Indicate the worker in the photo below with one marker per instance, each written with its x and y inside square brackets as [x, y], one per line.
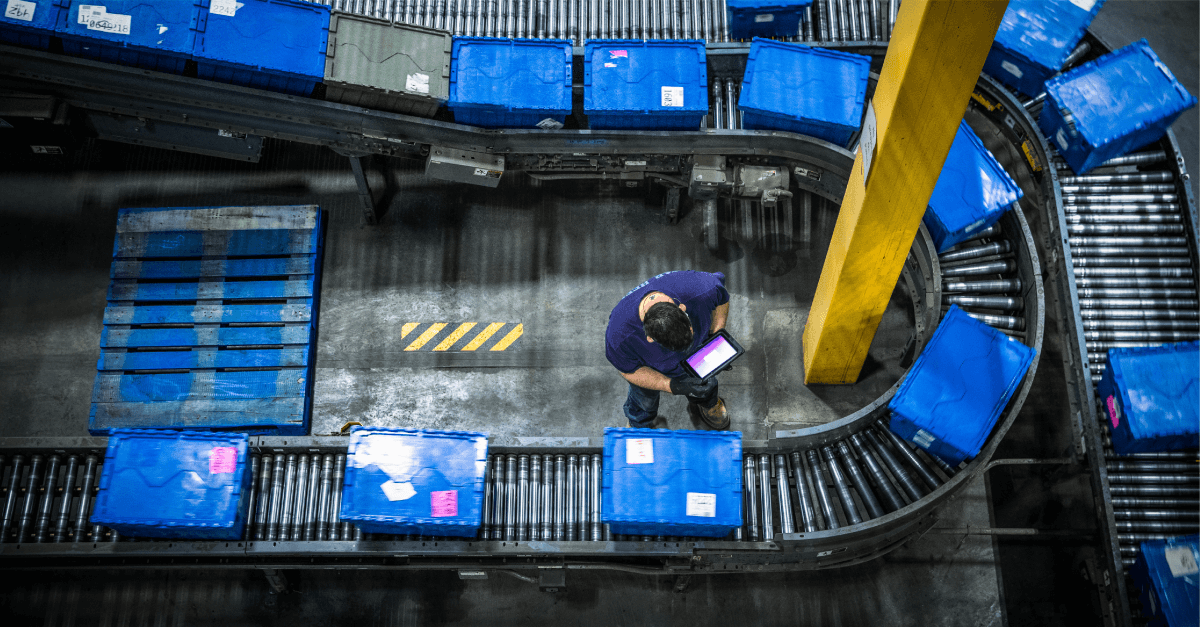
[653, 328]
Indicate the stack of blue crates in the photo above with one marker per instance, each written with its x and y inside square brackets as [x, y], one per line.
[30, 22]
[674, 483]
[956, 389]
[1113, 105]
[1167, 580]
[405, 481]
[639, 84]
[170, 484]
[270, 44]
[813, 91]
[972, 192]
[765, 18]
[152, 35]
[1034, 40]
[1152, 397]
[510, 83]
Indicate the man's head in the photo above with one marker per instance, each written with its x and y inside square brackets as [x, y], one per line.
[668, 324]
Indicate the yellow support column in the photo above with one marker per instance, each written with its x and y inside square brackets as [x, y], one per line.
[933, 62]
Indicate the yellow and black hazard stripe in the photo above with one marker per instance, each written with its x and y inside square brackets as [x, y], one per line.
[459, 338]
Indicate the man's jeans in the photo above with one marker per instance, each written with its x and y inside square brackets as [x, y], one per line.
[641, 407]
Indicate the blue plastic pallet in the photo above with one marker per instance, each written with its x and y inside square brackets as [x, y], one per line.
[645, 84]
[812, 91]
[406, 481]
[675, 483]
[278, 45]
[1151, 396]
[152, 35]
[170, 484]
[971, 193]
[1111, 106]
[955, 390]
[197, 296]
[1034, 40]
[30, 22]
[510, 83]
[764, 18]
[1167, 580]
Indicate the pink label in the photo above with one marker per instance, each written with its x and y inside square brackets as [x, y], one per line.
[617, 54]
[223, 460]
[1114, 414]
[444, 503]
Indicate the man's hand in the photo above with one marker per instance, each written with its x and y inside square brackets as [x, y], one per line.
[691, 386]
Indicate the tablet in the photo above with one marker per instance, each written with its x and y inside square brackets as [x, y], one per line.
[713, 356]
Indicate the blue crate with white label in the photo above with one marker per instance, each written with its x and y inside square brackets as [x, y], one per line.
[955, 390]
[1166, 577]
[1034, 40]
[1151, 395]
[172, 484]
[1111, 106]
[510, 83]
[152, 35]
[674, 483]
[278, 45]
[769, 18]
[30, 22]
[640, 84]
[972, 192]
[406, 481]
[812, 91]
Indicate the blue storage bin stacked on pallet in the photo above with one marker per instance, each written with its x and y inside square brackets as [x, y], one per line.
[198, 295]
[645, 84]
[1113, 105]
[152, 35]
[30, 22]
[764, 18]
[812, 91]
[404, 481]
[1152, 397]
[1034, 40]
[170, 484]
[971, 193]
[510, 83]
[1166, 576]
[270, 44]
[673, 483]
[957, 387]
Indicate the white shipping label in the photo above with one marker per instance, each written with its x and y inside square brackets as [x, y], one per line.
[923, 438]
[549, 124]
[764, 17]
[672, 96]
[1181, 561]
[88, 11]
[397, 490]
[639, 451]
[1061, 138]
[228, 8]
[1012, 69]
[20, 10]
[112, 23]
[700, 504]
[1086, 5]
[417, 82]
[868, 139]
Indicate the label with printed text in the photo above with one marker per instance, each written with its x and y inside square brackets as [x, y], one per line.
[222, 460]
[20, 10]
[444, 503]
[639, 451]
[672, 96]
[701, 504]
[417, 82]
[1181, 561]
[228, 8]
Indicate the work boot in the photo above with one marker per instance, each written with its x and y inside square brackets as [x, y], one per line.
[715, 418]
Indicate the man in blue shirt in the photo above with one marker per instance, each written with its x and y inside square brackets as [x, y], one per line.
[653, 328]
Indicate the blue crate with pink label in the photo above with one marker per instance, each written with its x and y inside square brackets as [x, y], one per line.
[1151, 397]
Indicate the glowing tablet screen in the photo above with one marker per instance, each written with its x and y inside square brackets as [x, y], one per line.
[712, 356]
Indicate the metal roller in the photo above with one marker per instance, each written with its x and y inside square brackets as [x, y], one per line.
[923, 471]
[310, 507]
[1150, 188]
[988, 233]
[584, 504]
[874, 509]
[718, 104]
[1147, 478]
[522, 500]
[1134, 292]
[288, 506]
[1123, 229]
[1129, 241]
[300, 504]
[68, 494]
[572, 495]
[962, 254]
[1157, 514]
[1134, 502]
[560, 496]
[510, 497]
[803, 496]
[1014, 323]
[767, 522]
[1144, 219]
[1138, 303]
[1140, 208]
[749, 474]
[1143, 324]
[85, 498]
[822, 20]
[252, 512]
[46, 507]
[1108, 179]
[535, 497]
[842, 486]
[325, 491]
[1174, 527]
[1150, 272]
[814, 464]
[843, 20]
[1119, 199]
[1158, 337]
[10, 496]
[548, 482]
[876, 474]
[976, 269]
[731, 113]
[1002, 286]
[335, 505]
[490, 530]
[893, 465]
[1005, 303]
[1138, 538]
[597, 481]
[1152, 466]
[786, 524]
[276, 505]
[1146, 282]
[1076, 54]
[851, 16]
[32, 484]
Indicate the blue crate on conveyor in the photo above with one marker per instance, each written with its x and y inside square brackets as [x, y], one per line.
[1152, 397]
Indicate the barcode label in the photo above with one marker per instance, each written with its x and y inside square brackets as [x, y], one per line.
[20, 10]
[923, 438]
[1181, 561]
[672, 96]
[1012, 69]
[417, 82]
[764, 17]
[700, 504]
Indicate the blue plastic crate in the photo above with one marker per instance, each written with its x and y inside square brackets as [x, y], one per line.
[407, 481]
[151, 35]
[972, 192]
[772, 18]
[1034, 40]
[1113, 105]
[277, 45]
[171, 484]
[676, 483]
[812, 91]
[640, 84]
[510, 83]
[1167, 582]
[30, 22]
[957, 387]
[1151, 395]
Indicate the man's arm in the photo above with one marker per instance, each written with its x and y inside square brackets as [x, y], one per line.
[718, 317]
[649, 378]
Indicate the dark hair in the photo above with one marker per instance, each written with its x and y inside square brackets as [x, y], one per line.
[668, 325]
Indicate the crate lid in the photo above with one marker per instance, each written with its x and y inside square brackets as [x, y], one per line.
[1119, 93]
[767, 5]
[394, 57]
[516, 74]
[165, 478]
[288, 36]
[972, 184]
[1172, 567]
[1045, 32]
[804, 83]
[634, 75]
[1159, 387]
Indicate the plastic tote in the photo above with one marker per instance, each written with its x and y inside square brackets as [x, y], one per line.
[1151, 396]
[772, 18]
[1167, 581]
[510, 83]
[152, 35]
[1034, 40]
[30, 22]
[639, 84]
[269, 44]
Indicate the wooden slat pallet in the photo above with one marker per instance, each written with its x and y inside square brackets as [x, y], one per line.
[211, 320]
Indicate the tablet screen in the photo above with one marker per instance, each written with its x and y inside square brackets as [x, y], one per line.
[712, 356]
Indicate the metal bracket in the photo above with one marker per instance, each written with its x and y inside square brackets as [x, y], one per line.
[374, 202]
[552, 579]
[276, 579]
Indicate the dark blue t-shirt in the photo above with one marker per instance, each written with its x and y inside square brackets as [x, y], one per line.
[625, 342]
